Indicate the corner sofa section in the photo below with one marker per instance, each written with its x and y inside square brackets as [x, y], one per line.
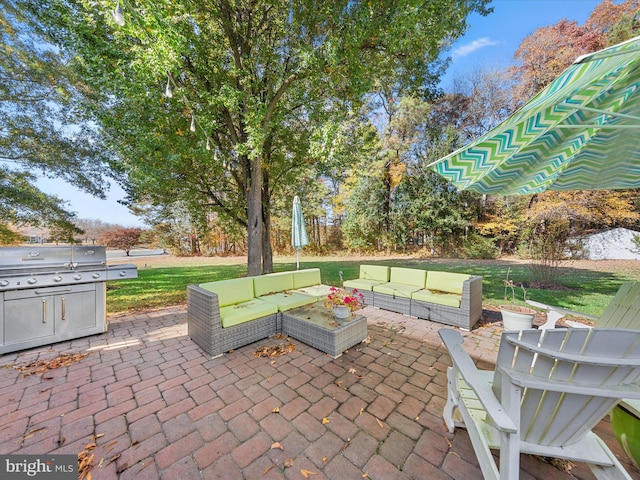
[229, 314]
[369, 277]
[443, 297]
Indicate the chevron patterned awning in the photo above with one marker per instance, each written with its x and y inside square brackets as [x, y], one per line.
[582, 132]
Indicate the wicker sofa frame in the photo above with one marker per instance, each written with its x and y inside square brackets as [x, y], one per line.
[205, 322]
[464, 317]
[205, 326]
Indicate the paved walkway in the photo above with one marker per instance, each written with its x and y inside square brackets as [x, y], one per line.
[147, 403]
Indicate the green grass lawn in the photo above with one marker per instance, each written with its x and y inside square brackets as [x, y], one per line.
[583, 289]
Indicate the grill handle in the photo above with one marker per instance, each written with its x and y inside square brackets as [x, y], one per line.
[63, 308]
[44, 311]
[49, 292]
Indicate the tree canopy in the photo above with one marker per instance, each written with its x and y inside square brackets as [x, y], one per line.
[215, 103]
[42, 130]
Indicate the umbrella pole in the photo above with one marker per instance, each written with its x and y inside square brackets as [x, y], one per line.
[297, 259]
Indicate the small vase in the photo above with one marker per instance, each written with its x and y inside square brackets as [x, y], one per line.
[340, 311]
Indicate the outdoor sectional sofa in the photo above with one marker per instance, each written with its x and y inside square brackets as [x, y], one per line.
[229, 314]
[443, 297]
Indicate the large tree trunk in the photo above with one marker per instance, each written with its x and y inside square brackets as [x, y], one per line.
[267, 252]
[254, 217]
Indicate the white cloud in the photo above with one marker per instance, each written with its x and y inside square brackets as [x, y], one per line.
[469, 48]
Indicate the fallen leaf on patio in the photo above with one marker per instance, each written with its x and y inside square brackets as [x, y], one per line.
[275, 410]
[275, 350]
[306, 473]
[61, 441]
[417, 418]
[365, 474]
[352, 370]
[325, 420]
[266, 470]
[380, 423]
[288, 462]
[31, 433]
[277, 445]
[41, 366]
[361, 410]
[324, 459]
[345, 445]
[109, 446]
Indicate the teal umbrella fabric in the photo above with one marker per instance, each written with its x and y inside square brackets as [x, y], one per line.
[299, 237]
[582, 132]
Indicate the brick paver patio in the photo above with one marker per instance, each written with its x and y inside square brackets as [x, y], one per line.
[156, 407]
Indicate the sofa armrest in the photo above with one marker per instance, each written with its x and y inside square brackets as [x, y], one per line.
[203, 306]
[472, 297]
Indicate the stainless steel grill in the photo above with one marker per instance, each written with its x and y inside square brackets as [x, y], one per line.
[50, 294]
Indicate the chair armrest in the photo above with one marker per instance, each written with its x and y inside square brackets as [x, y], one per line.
[556, 313]
[611, 391]
[462, 362]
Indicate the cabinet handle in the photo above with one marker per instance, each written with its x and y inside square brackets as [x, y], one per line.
[44, 311]
[63, 309]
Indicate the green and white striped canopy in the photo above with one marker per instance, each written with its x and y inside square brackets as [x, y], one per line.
[582, 132]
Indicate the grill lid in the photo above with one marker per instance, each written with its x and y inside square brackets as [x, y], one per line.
[38, 258]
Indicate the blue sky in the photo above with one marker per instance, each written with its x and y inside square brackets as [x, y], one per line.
[490, 41]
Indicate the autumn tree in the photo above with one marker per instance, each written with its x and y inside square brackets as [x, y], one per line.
[121, 238]
[615, 22]
[547, 52]
[245, 83]
[479, 101]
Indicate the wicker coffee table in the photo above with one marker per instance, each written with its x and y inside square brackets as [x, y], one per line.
[316, 326]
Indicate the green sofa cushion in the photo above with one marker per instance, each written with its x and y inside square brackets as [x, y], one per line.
[446, 281]
[408, 276]
[230, 292]
[245, 312]
[396, 289]
[320, 292]
[374, 272]
[288, 300]
[439, 298]
[362, 284]
[272, 283]
[306, 278]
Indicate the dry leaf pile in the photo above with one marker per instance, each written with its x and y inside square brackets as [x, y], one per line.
[41, 366]
[276, 350]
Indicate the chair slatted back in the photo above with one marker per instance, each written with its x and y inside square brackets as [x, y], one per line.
[566, 375]
[624, 309]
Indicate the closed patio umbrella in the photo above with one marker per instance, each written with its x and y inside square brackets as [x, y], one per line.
[299, 237]
[582, 132]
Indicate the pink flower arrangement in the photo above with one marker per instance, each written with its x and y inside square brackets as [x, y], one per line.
[339, 296]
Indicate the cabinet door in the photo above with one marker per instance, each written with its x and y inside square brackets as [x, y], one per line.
[28, 318]
[75, 311]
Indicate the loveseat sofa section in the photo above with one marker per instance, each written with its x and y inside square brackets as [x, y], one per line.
[444, 297]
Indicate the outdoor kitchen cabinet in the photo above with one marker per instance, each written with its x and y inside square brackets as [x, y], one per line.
[40, 316]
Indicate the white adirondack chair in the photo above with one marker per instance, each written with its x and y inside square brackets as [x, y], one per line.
[549, 389]
[622, 312]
